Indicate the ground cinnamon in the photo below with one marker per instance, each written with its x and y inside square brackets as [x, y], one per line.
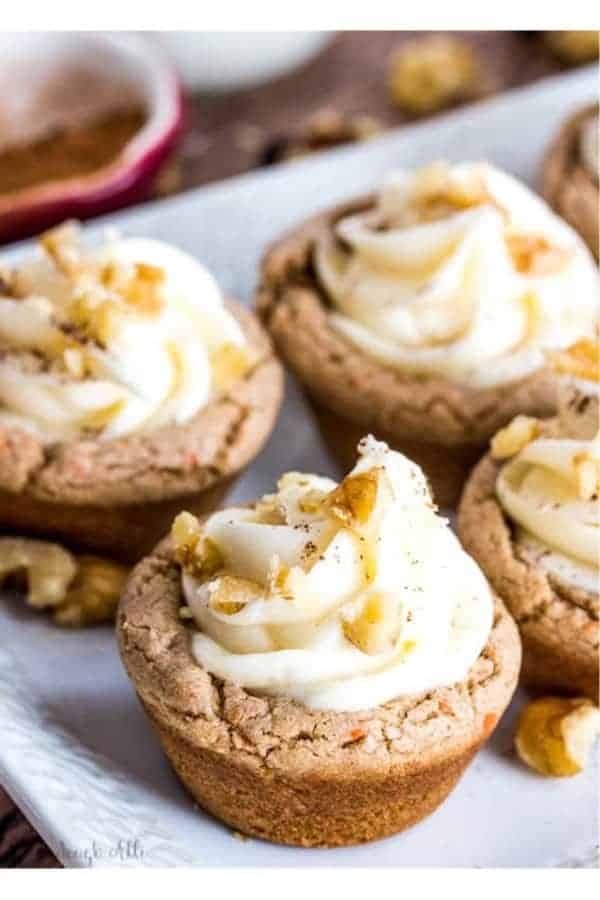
[71, 152]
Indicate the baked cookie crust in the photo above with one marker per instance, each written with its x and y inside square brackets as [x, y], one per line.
[427, 418]
[274, 769]
[120, 496]
[558, 624]
[566, 183]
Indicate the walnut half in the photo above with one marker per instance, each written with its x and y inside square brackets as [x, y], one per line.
[79, 591]
[514, 437]
[555, 734]
[429, 73]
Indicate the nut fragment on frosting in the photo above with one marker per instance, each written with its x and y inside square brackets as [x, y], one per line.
[78, 591]
[106, 342]
[555, 735]
[551, 490]
[458, 271]
[578, 370]
[339, 596]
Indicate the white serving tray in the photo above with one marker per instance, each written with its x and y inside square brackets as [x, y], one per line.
[76, 752]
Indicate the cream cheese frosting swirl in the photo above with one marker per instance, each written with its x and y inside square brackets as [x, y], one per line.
[341, 596]
[458, 271]
[124, 338]
[551, 490]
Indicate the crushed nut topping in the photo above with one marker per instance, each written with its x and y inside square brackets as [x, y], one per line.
[555, 734]
[353, 501]
[587, 472]
[437, 193]
[429, 73]
[195, 553]
[229, 594]
[581, 360]
[536, 256]
[376, 627]
[515, 437]
[79, 591]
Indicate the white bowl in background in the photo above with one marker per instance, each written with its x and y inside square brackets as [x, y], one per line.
[226, 60]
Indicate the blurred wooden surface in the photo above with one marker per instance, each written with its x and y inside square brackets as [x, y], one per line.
[234, 133]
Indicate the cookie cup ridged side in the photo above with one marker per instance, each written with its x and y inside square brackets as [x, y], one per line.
[558, 624]
[274, 769]
[566, 184]
[443, 426]
[119, 497]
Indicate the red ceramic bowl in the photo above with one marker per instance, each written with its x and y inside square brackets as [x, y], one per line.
[128, 60]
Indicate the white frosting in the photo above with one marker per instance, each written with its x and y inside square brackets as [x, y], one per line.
[437, 280]
[540, 490]
[155, 368]
[336, 613]
[590, 155]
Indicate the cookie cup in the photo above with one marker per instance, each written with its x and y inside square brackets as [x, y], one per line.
[443, 426]
[558, 624]
[119, 497]
[275, 769]
[566, 183]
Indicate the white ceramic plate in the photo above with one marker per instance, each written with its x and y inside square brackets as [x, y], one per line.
[76, 752]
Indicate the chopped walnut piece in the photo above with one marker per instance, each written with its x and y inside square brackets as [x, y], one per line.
[581, 360]
[511, 440]
[98, 320]
[353, 501]
[48, 569]
[74, 362]
[376, 627]
[79, 591]
[429, 73]
[587, 471]
[555, 734]
[573, 46]
[277, 580]
[312, 501]
[268, 512]
[436, 193]
[94, 593]
[63, 247]
[535, 255]
[195, 553]
[231, 593]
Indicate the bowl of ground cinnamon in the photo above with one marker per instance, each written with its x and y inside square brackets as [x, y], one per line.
[86, 121]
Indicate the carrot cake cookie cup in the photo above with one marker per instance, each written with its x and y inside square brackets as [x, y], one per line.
[530, 516]
[321, 666]
[570, 174]
[421, 313]
[128, 389]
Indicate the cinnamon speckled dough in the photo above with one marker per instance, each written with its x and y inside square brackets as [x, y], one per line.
[568, 186]
[272, 768]
[120, 496]
[558, 625]
[442, 425]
